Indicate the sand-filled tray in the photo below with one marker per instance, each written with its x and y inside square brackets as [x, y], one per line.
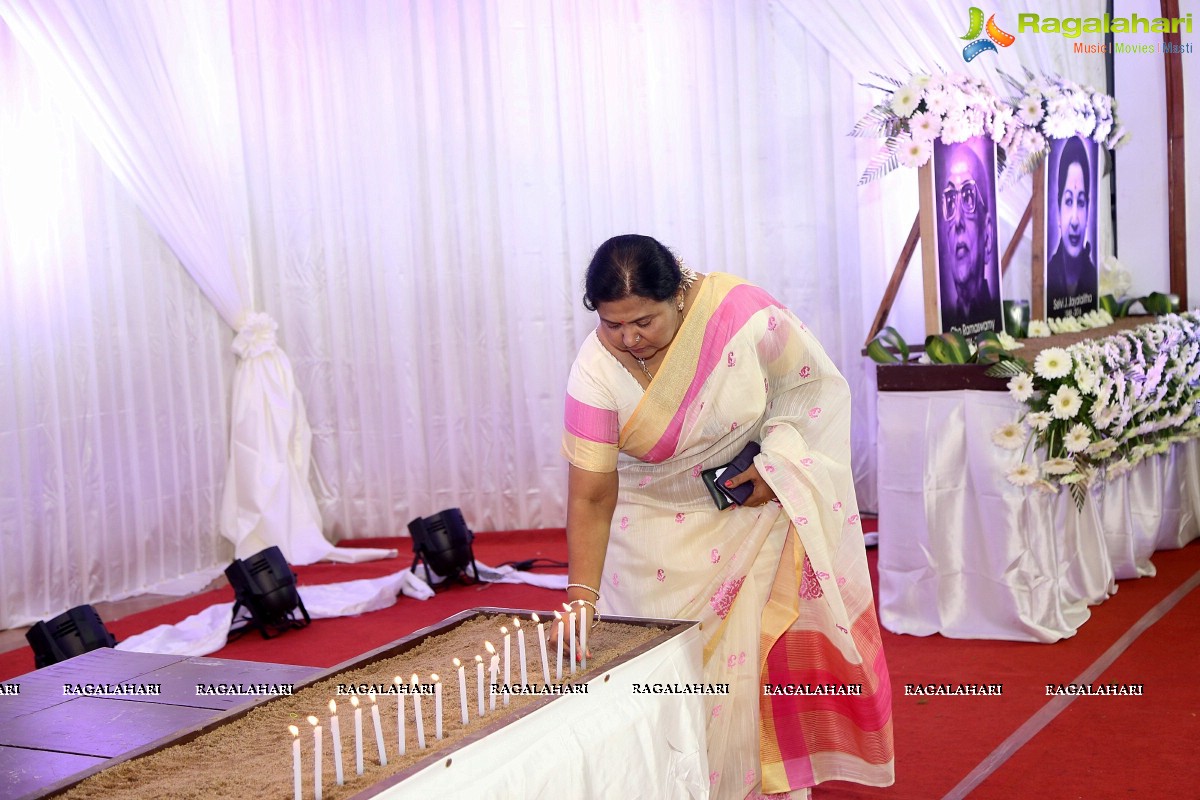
[248, 752]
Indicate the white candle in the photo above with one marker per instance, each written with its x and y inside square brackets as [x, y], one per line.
[507, 661]
[357, 734]
[542, 646]
[558, 668]
[295, 760]
[493, 667]
[571, 633]
[479, 682]
[317, 777]
[583, 631]
[417, 712]
[521, 650]
[378, 730]
[462, 690]
[437, 705]
[400, 734]
[336, 732]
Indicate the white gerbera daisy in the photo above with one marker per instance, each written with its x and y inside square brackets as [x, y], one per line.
[1086, 380]
[1030, 110]
[1038, 329]
[1022, 475]
[1008, 436]
[1008, 342]
[1052, 363]
[1065, 403]
[905, 101]
[1038, 420]
[925, 126]
[1058, 466]
[1078, 438]
[1021, 387]
[913, 152]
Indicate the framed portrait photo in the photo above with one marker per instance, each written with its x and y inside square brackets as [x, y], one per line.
[1071, 278]
[968, 261]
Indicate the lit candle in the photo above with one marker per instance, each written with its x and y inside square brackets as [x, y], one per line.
[493, 667]
[571, 633]
[295, 759]
[416, 685]
[507, 661]
[357, 734]
[542, 645]
[378, 730]
[462, 690]
[479, 682]
[400, 733]
[437, 705]
[521, 650]
[336, 731]
[317, 777]
[558, 668]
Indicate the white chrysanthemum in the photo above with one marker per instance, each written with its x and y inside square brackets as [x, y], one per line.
[1052, 363]
[1022, 475]
[1038, 420]
[1065, 403]
[905, 101]
[913, 152]
[1103, 416]
[1078, 438]
[925, 126]
[937, 100]
[1038, 329]
[1058, 466]
[1118, 468]
[955, 128]
[1102, 449]
[1008, 436]
[1021, 387]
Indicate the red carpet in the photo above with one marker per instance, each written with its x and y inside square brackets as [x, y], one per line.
[1099, 747]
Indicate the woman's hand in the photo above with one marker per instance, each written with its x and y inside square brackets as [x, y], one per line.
[583, 616]
[762, 493]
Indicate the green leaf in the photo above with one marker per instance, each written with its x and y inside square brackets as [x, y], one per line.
[882, 162]
[1006, 368]
[1109, 303]
[1079, 494]
[948, 348]
[1157, 303]
[879, 352]
[989, 351]
[892, 337]
[1126, 304]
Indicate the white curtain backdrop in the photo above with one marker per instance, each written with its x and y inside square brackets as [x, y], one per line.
[114, 376]
[412, 189]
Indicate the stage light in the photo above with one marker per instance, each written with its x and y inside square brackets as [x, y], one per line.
[265, 587]
[442, 543]
[70, 634]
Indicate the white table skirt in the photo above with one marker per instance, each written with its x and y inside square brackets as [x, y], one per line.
[609, 742]
[964, 553]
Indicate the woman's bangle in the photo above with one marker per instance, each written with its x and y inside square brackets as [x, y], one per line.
[584, 586]
[591, 605]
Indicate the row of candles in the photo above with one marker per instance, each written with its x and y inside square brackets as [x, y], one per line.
[566, 618]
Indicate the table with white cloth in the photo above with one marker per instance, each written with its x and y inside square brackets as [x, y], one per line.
[964, 553]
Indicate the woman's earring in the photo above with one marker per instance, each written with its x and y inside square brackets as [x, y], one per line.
[679, 305]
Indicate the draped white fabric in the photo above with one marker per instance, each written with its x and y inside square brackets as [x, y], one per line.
[966, 554]
[114, 376]
[412, 190]
[152, 87]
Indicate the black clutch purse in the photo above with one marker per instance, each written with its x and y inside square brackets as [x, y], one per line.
[714, 478]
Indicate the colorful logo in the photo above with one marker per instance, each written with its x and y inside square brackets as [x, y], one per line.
[979, 45]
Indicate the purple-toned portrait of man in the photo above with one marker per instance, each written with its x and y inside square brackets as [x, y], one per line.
[1072, 282]
[964, 176]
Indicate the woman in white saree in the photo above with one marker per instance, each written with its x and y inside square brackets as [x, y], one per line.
[681, 373]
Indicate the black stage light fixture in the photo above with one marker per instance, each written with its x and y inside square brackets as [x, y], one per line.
[70, 634]
[442, 543]
[265, 587]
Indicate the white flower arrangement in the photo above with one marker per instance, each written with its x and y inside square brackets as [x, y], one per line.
[1097, 318]
[952, 107]
[1097, 408]
[1052, 107]
[1114, 278]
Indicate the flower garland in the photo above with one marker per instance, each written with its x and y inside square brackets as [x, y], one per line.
[1097, 318]
[1052, 107]
[1099, 407]
[952, 107]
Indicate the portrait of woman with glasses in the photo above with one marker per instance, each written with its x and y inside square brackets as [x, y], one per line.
[1072, 282]
[968, 270]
